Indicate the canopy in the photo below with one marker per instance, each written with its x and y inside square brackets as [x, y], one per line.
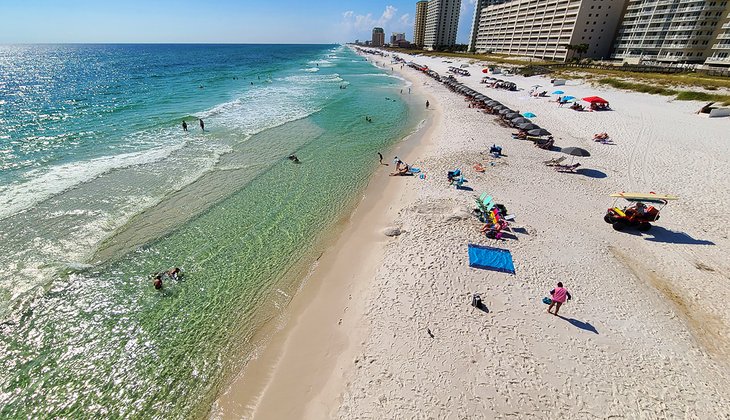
[529, 115]
[575, 151]
[657, 198]
[595, 100]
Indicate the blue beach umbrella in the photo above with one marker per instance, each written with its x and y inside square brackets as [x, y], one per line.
[568, 98]
[529, 115]
[558, 92]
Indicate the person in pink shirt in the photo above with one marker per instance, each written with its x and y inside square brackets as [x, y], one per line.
[559, 296]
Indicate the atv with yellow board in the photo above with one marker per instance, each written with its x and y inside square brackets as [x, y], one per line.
[636, 213]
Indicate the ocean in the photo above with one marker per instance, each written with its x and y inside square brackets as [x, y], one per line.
[100, 188]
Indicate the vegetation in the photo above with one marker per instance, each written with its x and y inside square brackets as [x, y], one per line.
[489, 58]
[580, 49]
[659, 90]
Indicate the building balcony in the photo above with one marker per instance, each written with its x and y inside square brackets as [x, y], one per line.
[724, 36]
[721, 46]
[718, 60]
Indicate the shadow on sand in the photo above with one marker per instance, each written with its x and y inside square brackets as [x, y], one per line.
[664, 235]
[586, 326]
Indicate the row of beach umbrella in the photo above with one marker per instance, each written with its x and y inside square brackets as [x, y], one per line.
[517, 120]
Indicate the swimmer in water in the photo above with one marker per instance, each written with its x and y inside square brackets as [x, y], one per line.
[293, 158]
[174, 273]
[157, 282]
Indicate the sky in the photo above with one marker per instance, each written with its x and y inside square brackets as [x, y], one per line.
[224, 21]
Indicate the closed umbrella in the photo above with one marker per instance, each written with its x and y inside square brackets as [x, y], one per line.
[538, 132]
[529, 115]
[527, 126]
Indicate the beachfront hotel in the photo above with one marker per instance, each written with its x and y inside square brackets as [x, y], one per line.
[720, 50]
[419, 27]
[378, 37]
[442, 21]
[543, 28]
[673, 31]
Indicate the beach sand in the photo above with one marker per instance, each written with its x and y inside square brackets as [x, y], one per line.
[383, 328]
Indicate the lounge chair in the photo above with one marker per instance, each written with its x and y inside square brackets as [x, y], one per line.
[567, 168]
[546, 144]
[555, 161]
[456, 178]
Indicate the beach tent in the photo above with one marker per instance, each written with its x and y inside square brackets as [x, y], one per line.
[488, 258]
[595, 100]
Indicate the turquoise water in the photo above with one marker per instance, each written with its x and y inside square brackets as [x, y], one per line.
[100, 188]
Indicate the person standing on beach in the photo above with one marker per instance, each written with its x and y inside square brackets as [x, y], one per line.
[381, 159]
[427, 104]
[559, 296]
[185, 126]
[202, 125]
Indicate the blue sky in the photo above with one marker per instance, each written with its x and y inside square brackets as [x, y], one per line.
[241, 21]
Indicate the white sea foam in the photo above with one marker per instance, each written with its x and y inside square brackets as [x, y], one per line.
[41, 184]
[311, 69]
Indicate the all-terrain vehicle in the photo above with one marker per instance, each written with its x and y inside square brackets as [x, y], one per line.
[636, 213]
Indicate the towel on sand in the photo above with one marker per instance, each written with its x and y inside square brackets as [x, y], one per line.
[489, 258]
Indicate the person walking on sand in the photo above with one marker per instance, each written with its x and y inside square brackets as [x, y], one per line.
[427, 104]
[202, 125]
[381, 159]
[559, 296]
[185, 126]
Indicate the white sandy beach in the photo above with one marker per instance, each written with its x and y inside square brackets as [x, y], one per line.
[647, 334]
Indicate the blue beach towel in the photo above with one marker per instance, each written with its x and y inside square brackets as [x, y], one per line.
[488, 258]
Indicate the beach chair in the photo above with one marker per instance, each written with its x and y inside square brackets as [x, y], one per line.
[456, 178]
[555, 161]
[567, 168]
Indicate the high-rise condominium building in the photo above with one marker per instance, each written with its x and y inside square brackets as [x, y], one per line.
[720, 51]
[673, 31]
[475, 22]
[442, 21]
[419, 27]
[378, 37]
[544, 28]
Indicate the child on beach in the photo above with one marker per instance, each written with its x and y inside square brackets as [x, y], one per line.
[559, 296]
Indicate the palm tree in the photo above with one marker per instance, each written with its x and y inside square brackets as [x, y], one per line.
[580, 49]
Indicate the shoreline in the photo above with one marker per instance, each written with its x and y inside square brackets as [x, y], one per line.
[646, 333]
[327, 296]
